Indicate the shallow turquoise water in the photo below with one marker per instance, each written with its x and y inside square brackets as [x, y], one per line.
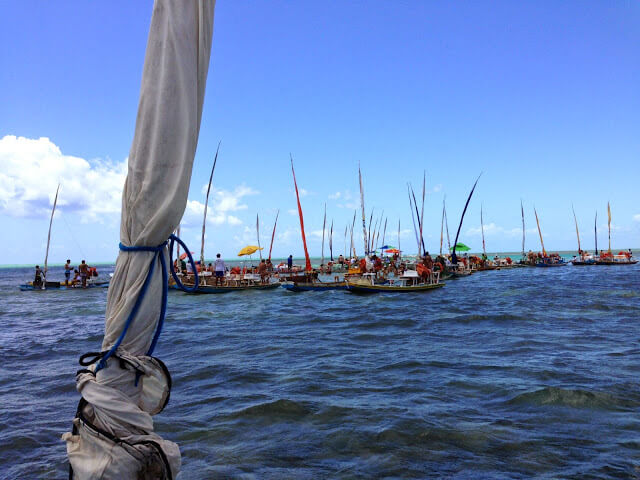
[524, 373]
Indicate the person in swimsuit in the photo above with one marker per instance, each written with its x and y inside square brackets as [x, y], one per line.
[83, 269]
[67, 272]
[220, 269]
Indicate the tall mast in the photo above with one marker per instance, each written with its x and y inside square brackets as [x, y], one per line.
[522, 212]
[351, 246]
[609, 224]
[331, 240]
[424, 190]
[258, 235]
[595, 229]
[364, 219]
[544, 252]
[304, 239]
[446, 224]
[454, 258]
[46, 255]
[420, 237]
[346, 227]
[273, 234]
[484, 250]
[415, 229]
[399, 250]
[206, 204]
[442, 228]
[384, 232]
[369, 232]
[324, 224]
[577, 232]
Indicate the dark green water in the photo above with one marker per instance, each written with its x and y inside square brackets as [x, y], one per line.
[527, 373]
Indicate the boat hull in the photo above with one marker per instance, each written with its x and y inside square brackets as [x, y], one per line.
[313, 287]
[392, 288]
[601, 262]
[28, 287]
[210, 289]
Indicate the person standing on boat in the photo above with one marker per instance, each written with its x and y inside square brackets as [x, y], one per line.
[37, 280]
[220, 269]
[83, 268]
[290, 262]
[67, 272]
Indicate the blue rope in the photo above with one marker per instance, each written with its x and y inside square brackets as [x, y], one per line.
[159, 252]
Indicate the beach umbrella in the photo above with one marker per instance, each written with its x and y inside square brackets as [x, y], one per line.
[185, 255]
[388, 247]
[249, 250]
[392, 250]
[461, 247]
[122, 385]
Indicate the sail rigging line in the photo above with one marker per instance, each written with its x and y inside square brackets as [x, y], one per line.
[324, 224]
[46, 255]
[304, 239]
[415, 229]
[378, 227]
[399, 236]
[369, 232]
[346, 227]
[273, 233]
[609, 224]
[206, 204]
[454, 258]
[73, 237]
[577, 232]
[544, 252]
[352, 248]
[484, 250]
[364, 219]
[522, 212]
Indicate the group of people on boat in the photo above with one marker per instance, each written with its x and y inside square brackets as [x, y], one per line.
[82, 274]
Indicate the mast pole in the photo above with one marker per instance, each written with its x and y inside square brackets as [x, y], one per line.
[595, 229]
[331, 240]
[364, 219]
[544, 252]
[46, 255]
[522, 212]
[577, 232]
[273, 233]
[206, 204]
[442, 228]
[304, 239]
[484, 250]
[324, 224]
[258, 234]
[609, 224]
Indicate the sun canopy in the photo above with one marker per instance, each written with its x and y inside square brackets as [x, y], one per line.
[249, 250]
[461, 247]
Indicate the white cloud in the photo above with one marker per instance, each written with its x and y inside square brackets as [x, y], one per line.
[292, 211]
[221, 202]
[335, 196]
[636, 217]
[491, 229]
[30, 170]
[303, 192]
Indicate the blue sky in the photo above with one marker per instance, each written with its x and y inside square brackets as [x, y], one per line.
[542, 97]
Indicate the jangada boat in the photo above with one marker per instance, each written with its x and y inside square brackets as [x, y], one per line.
[316, 286]
[233, 283]
[623, 258]
[62, 286]
[551, 261]
[410, 281]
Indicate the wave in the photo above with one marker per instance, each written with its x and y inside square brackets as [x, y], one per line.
[279, 408]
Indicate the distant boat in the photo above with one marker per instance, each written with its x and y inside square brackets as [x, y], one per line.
[410, 281]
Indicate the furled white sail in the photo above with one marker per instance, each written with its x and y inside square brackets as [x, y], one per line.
[122, 396]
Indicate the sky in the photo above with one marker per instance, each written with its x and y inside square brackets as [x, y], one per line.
[542, 98]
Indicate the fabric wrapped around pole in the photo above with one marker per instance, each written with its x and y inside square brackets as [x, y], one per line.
[115, 399]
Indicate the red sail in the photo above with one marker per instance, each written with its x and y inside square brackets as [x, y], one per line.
[304, 239]
[273, 234]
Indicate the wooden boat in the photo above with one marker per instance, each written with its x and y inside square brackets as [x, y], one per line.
[620, 259]
[213, 289]
[409, 282]
[551, 262]
[27, 287]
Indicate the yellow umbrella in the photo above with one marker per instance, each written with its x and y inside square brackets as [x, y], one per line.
[249, 250]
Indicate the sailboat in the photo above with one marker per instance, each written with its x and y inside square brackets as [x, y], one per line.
[49, 285]
[608, 258]
[583, 259]
[553, 260]
[307, 281]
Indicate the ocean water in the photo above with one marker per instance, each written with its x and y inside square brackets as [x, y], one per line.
[523, 373]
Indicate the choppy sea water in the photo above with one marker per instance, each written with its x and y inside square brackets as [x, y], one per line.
[524, 373]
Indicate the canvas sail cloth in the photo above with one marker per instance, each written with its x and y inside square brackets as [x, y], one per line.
[122, 396]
